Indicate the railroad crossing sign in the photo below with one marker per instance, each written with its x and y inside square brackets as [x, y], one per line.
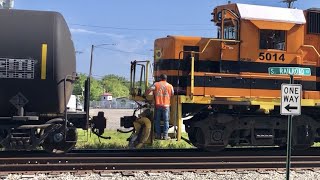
[290, 99]
[289, 70]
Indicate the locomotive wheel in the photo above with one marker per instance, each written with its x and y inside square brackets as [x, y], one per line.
[192, 138]
[215, 148]
[56, 143]
[199, 141]
[302, 133]
[199, 138]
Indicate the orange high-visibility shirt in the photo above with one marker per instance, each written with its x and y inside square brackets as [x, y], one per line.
[162, 92]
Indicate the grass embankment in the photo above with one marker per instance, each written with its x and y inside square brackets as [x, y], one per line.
[317, 144]
[119, 141]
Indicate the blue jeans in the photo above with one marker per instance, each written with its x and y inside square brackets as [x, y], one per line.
[164, 112]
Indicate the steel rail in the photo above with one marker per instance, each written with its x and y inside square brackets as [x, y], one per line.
[153, 160]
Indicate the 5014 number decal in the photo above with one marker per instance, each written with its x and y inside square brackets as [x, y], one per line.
[271, 57]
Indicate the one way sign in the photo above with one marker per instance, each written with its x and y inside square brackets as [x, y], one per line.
[291, 99]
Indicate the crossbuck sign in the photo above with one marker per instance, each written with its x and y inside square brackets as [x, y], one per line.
[290, 99]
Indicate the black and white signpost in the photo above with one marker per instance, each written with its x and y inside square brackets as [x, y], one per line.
[290, 101]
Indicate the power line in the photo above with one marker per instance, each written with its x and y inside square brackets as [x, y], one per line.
[137, 29]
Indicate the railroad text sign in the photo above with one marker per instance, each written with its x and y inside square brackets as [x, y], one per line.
[289, 71]
[290, 99]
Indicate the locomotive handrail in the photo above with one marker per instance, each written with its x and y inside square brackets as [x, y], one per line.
[144, 71]
[214, 39]
[248, 74]
[311, 46]
[192, 60]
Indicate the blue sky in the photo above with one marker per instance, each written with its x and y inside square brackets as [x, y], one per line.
[133, 26]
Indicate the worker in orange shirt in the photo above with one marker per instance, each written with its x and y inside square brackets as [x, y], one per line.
[162, 92]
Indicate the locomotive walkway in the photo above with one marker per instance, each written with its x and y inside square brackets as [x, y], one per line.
[99, 161]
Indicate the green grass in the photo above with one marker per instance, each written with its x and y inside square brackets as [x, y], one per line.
[316, 144]
[119, 141]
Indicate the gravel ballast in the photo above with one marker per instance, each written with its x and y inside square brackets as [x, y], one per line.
[243, 175]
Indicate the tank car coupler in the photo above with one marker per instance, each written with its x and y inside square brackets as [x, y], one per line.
[98, 124]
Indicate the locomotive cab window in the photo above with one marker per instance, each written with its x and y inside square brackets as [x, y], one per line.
[230, 29]
[230, 32]
[273, 39]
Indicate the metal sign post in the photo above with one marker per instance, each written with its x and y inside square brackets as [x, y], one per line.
[289, 135]
[290, 101]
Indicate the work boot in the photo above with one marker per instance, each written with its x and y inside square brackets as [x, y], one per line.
[166, 137]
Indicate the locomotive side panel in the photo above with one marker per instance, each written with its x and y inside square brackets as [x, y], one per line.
[168, 61]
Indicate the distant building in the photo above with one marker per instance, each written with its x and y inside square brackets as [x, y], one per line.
[106, 100]
[106, 97]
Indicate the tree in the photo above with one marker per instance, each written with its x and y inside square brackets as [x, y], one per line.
[96, 88]
[116, 85]
[79, 85]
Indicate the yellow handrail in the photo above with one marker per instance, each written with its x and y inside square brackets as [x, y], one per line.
[221, 40]
[200, 52]
[192, 77]
[146, 76]
[311, 46]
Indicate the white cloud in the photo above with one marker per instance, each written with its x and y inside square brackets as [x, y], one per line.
[124, 42]
[78, 30]
[128, 47]
[85, 31]
[134, 45]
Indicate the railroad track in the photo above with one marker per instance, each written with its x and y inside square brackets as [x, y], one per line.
[153, 160]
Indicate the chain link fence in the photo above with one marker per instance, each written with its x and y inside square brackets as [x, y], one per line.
[117, 103]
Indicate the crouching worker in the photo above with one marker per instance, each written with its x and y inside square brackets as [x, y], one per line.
[142, 126]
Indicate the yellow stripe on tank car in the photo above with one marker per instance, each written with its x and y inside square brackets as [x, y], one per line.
[44, 61]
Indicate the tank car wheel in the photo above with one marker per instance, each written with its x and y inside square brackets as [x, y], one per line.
[56, 143]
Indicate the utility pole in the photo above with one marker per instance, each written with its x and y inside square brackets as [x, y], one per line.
[289, 3]
[6, 4]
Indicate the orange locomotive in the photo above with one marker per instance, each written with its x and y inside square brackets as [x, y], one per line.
[224, 82]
